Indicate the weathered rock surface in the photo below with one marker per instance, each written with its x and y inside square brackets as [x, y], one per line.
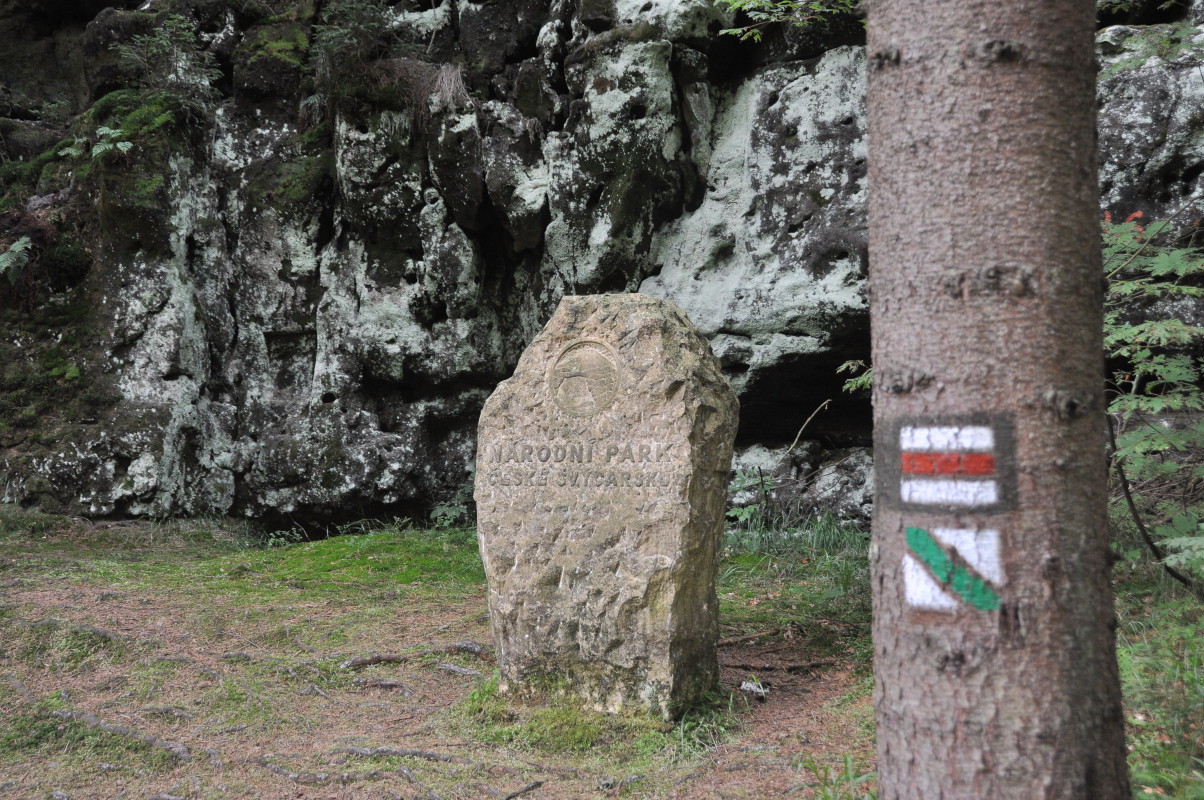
[293, 305]
[601, 484]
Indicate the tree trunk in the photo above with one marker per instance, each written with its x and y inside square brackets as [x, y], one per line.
[994, 655]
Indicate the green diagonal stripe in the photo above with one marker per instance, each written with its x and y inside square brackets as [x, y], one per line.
[971, 588]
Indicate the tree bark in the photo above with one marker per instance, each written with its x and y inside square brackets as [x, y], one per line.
[994, 653]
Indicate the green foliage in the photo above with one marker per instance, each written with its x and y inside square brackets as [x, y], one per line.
[454, 512]
[1165, 42]
[352, 33]
[855, 780]
[288, 45]
[1155, 382]
[811, 581]
[553, 721]
[109, 140]
[39, 734]
[760, 514]
[14, 259]
[706, 726]
[1162, 673]
[800, 13]
[170, 58]
[861, 377]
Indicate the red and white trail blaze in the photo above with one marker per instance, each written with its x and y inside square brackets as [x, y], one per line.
[948, 465]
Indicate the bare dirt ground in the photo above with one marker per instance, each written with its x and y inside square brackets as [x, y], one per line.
[174, 681]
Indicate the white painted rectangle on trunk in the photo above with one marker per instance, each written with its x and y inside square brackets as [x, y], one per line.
[921, 591]
[946, 438]
[980, 549]
[954, 493]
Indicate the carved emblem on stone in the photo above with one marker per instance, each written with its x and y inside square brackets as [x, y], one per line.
[601, 485]
[585, 378]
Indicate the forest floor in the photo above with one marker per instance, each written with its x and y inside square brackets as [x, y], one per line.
[194, 660]
[155, 661]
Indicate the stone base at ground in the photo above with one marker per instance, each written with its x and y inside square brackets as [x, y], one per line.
[601, 480]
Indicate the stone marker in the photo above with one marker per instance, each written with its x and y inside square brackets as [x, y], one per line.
[601, 482]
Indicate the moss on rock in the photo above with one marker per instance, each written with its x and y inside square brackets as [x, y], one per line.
[270, 61]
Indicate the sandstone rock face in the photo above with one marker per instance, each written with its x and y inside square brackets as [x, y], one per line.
[286, 306]
[601, 484]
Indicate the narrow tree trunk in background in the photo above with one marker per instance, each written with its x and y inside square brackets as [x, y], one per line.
[994, 655]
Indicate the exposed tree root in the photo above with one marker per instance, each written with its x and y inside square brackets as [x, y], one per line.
[748, 637]
[317, 778]
[806, 666]
[166, 711]
[377, 683]
[471, 648]
[404, 752]
[458, 670]
[409, 775]
[375, 658]
[175, 748]
[99, 633]
[21, 689]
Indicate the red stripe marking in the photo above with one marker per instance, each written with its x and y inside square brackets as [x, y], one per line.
[978, 464]
[948, 464]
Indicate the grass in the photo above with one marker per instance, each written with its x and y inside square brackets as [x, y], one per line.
[1162, 671]
[38, 734]
[811, 582]
[229, 638]
[234, 637]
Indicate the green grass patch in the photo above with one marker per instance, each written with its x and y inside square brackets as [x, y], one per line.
[38, 735]
[811, 581]
[553, 722]
[51, 643]
[218, 557]
[394, 554]
[1162, 672]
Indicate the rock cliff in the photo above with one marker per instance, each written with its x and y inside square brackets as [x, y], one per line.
[278, 274]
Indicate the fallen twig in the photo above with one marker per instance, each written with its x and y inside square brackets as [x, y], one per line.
[175, 748]
[528, 788]
[565, 771]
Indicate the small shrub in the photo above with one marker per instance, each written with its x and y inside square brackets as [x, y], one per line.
[352, 34]
[1156, 396]
[171, 58]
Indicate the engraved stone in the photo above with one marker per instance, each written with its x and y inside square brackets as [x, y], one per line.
[601, 480]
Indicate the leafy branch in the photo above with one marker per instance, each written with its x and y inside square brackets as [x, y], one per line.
[800, 13]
